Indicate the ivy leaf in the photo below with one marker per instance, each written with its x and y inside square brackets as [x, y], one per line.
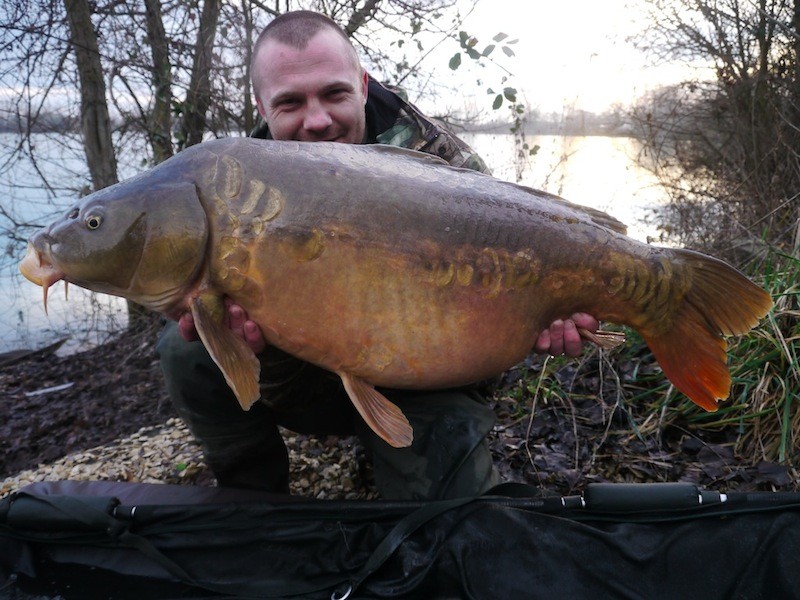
[498, 101]
[508, 51]
[488, 50]
[455, 62]
[500, 37]
[510, 94]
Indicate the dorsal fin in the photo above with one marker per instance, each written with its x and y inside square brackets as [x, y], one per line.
[601, 218]
[408, 153]
[597, 216]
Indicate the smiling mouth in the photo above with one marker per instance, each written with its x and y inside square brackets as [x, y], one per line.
[38, 270]
[336, 138]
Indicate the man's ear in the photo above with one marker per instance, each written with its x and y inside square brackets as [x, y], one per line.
[364, 84]
[260, 108]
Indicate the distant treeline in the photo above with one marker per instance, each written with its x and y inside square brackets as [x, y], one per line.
[613, 123]
[575, 123]
[42, 123]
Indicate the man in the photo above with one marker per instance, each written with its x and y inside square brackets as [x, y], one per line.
[310, 86]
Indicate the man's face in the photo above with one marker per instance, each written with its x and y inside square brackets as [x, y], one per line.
[311, 95]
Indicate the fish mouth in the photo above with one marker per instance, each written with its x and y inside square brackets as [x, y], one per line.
[40, 271]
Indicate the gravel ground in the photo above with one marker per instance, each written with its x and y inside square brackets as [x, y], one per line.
[104, 415]
[334, 468]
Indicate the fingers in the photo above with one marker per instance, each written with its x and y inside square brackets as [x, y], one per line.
[186, 328]
[246, 329]
[562, 337]
[572, 342]
[584, 321]
[254, 337]
[238, 322]
[237, 317]
[542, 345]
[557, 337]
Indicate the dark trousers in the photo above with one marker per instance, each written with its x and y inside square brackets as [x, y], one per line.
[449, 457]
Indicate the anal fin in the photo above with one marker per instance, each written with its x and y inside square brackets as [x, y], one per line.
[382, 416]
[230, 352]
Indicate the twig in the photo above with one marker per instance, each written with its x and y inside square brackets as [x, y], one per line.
[533, 412]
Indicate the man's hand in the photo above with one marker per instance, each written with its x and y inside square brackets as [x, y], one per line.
[236, 319]
[563, 338]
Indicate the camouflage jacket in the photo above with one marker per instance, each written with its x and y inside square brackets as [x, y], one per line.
[392, 120]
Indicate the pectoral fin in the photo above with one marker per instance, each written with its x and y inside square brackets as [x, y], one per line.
[230, 352]
[383, 417]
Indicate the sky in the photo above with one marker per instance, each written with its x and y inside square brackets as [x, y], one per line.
[570, 53]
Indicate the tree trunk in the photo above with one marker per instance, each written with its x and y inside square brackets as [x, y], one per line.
[95, 123]
[249, 120]
[159, 129]
[198, 97]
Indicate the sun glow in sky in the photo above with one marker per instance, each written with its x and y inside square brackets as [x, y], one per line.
[570, 54]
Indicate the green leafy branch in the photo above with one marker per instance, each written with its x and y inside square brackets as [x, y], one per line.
[506, 95]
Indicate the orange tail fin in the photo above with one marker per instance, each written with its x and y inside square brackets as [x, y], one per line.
[692, 352]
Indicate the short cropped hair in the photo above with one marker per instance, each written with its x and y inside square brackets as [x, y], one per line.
[296, 29]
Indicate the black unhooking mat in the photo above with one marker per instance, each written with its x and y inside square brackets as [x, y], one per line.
[111, 540]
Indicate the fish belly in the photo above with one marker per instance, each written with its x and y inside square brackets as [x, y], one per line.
[393, 321]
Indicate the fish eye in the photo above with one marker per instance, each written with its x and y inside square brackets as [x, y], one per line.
[93, 221]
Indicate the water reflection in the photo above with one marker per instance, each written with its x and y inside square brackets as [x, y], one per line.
[85, 318]
[596, 171]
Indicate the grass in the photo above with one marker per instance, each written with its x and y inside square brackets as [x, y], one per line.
[762, 413]
[764, 404]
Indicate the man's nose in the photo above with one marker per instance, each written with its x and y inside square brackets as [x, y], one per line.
[317, 117]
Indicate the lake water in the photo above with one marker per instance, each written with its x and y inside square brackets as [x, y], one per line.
[595, 171]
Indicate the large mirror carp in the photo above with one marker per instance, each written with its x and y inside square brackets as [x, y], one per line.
[387, 267]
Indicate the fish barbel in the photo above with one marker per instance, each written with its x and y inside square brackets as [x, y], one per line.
[387, 267]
